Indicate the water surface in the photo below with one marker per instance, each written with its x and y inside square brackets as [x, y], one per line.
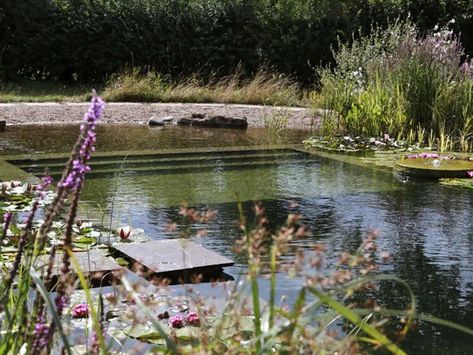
[426, 227]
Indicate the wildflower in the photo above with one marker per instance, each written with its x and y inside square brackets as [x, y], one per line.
[193, 318]
[6, 223]
[470, 173]
[80, 310]
[75, 178]
[41, 334]
[177, 321]
[61, 303]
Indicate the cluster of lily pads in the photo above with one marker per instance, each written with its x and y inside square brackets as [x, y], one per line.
[16, 198]
[358, 144]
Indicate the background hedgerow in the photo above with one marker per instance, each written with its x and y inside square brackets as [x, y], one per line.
[88, 40]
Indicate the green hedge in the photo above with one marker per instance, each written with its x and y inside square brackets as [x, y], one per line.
[87, 40]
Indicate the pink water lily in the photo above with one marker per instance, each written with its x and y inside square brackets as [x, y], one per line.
[124, 233]
[177, 321]
[80, 310]
[427, 156]
[193, 318]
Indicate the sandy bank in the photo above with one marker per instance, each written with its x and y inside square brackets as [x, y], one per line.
[139, 113]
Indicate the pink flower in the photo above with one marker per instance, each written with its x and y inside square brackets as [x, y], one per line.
[124, 233]
[177, 321]
[469, 173]
[193, 318]
[80, 310]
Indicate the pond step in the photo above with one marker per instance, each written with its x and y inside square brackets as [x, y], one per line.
[157, 155]
[196, 168]
[127, 163]
[174, 258]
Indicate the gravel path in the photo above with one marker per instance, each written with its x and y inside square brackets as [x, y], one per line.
[139, 113]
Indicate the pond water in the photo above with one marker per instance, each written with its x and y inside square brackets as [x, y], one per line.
[426, 227]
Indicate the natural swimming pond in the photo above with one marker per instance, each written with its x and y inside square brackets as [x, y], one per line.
[424, 226]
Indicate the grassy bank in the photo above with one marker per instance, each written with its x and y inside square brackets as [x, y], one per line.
[264, 88]
[41, 91]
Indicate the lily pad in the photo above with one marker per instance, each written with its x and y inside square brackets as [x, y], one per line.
[84, 242]
[464, 183]
[435, 168]
[187, 333]
[146, 333]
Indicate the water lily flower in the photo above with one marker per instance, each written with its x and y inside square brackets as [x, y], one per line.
[177, 321]
[193, 318]
[124, 232]
[80, 310]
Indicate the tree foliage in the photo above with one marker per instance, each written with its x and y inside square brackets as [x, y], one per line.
[87, 40]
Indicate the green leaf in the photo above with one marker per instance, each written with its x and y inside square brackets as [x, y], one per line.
[356, 320]
[187, 333]
[121, 261]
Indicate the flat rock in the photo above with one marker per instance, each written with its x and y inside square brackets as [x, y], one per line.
[164, 256]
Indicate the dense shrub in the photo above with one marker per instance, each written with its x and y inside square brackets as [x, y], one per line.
[87, 40]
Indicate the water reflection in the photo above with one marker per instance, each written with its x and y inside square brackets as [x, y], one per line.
[60, 138]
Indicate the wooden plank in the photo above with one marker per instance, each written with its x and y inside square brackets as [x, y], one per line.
[172, 255]
[92, 261]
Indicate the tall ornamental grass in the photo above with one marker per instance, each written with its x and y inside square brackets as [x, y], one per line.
[398, 81]
[266, 88]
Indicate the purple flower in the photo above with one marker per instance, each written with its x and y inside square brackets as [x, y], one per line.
[469, 173]
[193, 318]
[177, 321]
[41, 187]
[75, 178]
[41, 334]
[80, 310]
[7, 216]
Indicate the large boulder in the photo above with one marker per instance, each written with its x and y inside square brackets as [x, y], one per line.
[184, 121]
[220, 122]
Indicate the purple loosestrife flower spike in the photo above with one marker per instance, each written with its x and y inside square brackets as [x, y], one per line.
[6, 224]
[41, 338]
[75, 178]
[72, 181]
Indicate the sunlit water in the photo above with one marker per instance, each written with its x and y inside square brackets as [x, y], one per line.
[426, 227]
